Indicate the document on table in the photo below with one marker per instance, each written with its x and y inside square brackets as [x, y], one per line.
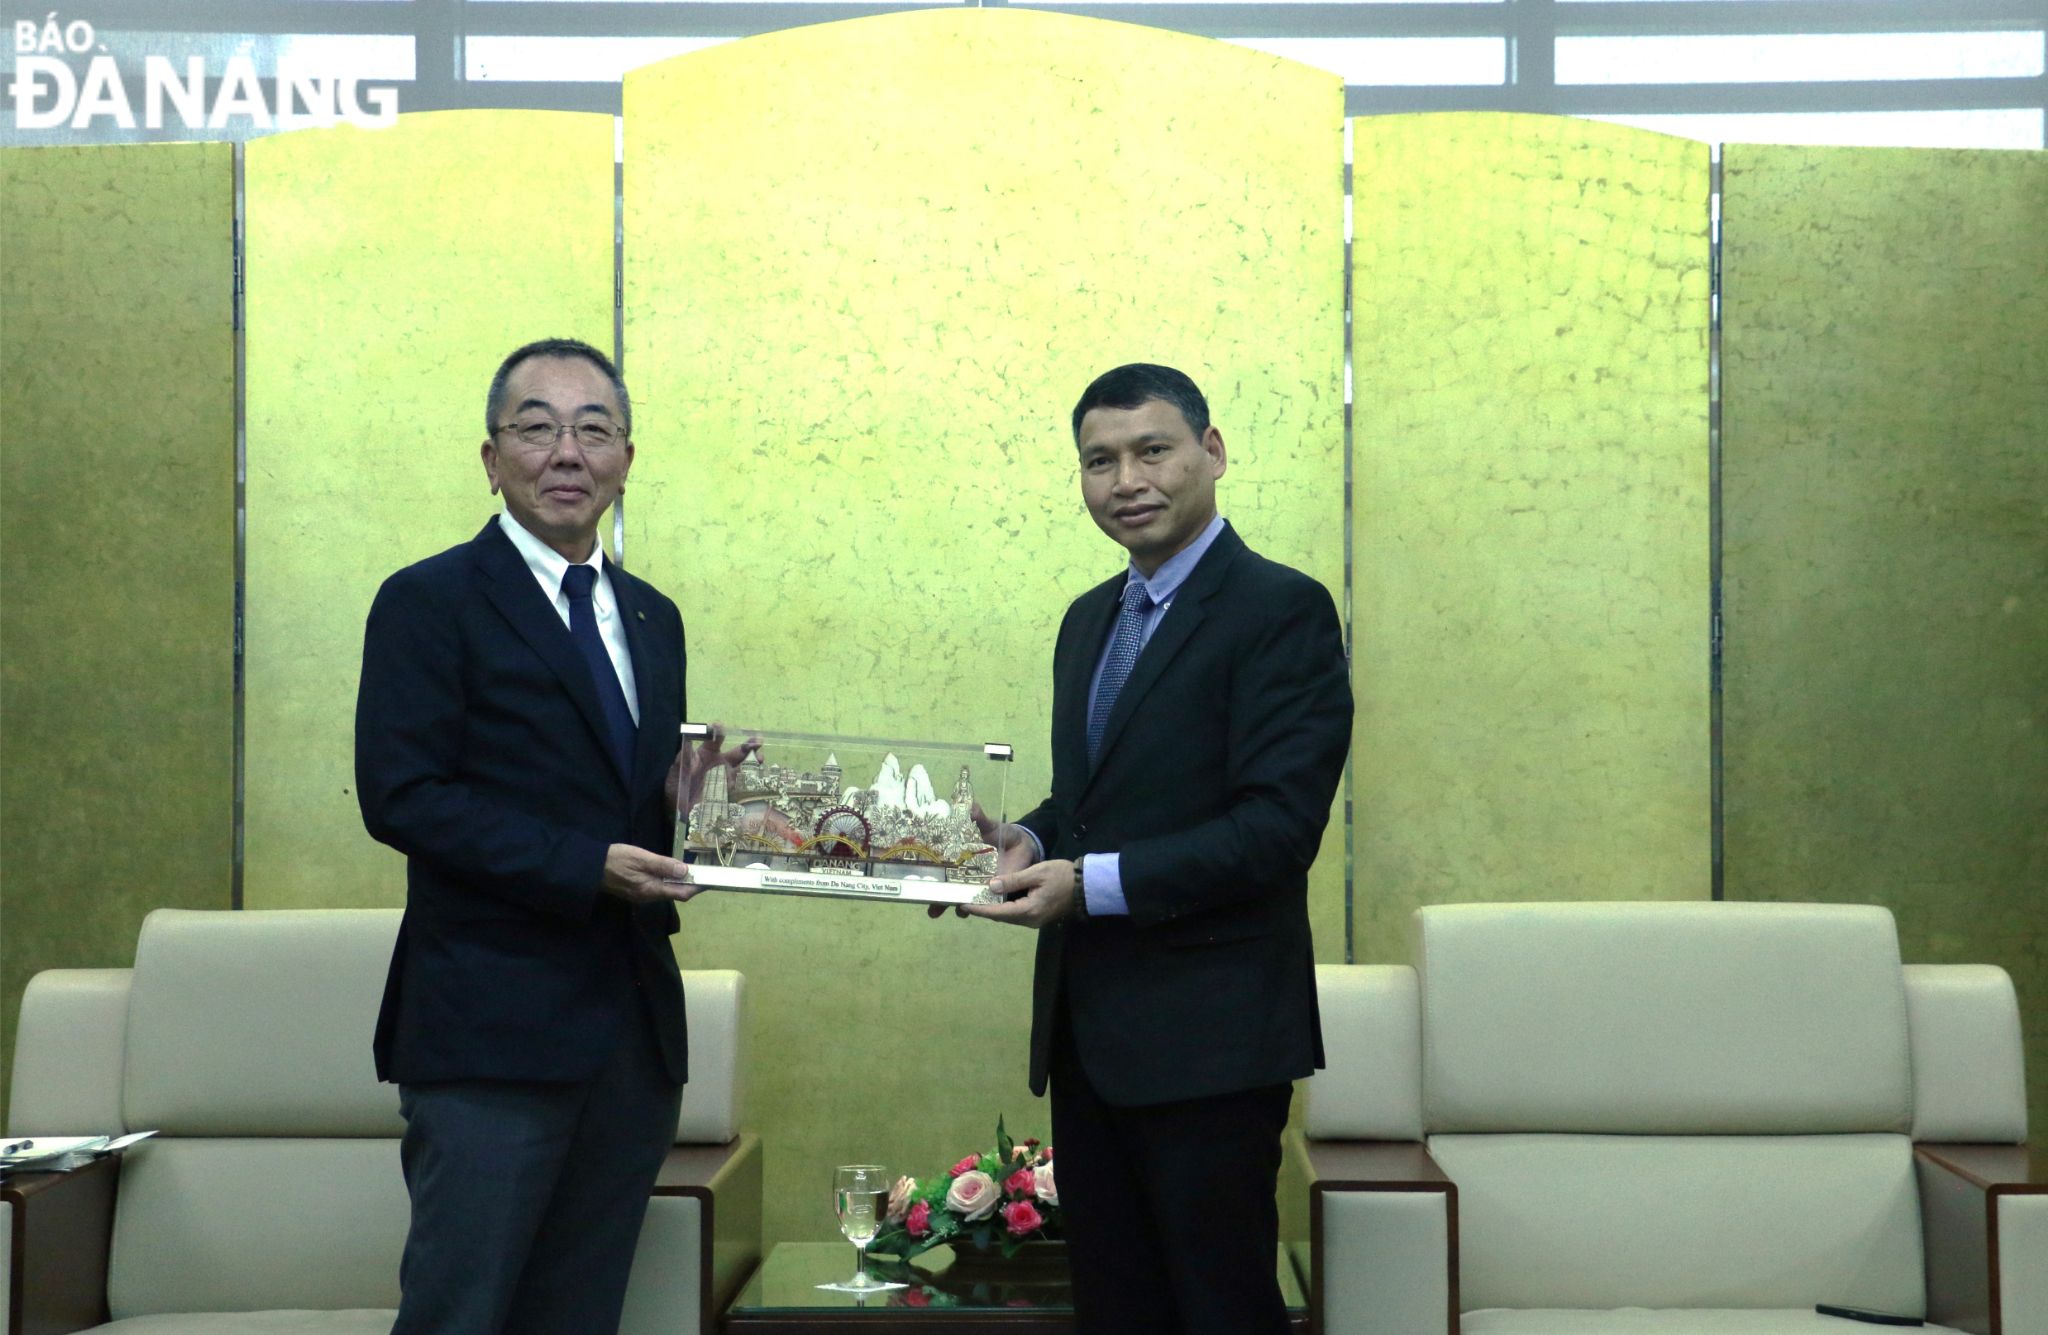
[50, 1154]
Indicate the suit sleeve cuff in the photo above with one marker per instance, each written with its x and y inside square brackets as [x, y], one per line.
[1102, 881]
[1037, 845]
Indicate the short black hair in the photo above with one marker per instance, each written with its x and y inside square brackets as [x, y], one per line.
[1138, 384]
[553, 347]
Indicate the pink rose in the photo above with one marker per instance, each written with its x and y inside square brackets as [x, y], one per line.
[973, 1196]
[1042, 1185]
[1020, 1182]
[899, 1199]
[963, 1166]
[919, 1221]
[1022, 1217]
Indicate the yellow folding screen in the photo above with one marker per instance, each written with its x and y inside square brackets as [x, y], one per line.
[389, 272]
[117, 547]
[854, 327]
[1530, 606]
[857, 324]
[1886, 545]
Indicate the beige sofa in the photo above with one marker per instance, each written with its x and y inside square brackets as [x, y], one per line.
[1686, 1119]
[271, 1201]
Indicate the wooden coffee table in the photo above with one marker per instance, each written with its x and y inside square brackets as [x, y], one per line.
[945, 1295]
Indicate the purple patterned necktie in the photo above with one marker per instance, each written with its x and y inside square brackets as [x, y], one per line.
[1116, 669]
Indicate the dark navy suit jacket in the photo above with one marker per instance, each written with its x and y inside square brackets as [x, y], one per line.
[480, 755]
[1218, 766]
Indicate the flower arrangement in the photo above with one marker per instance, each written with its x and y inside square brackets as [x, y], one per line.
[1002, 1200]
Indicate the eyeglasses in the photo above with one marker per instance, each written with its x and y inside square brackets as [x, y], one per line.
[541, 434]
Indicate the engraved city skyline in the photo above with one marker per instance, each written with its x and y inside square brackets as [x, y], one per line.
[764, 813]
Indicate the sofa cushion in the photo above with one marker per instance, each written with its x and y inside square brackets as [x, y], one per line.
[1662, 1019]
[1642, 1321]
[259, 1024]
[238, 1225]
[1969, 1076]
[1686, 1221]
[68, 1053]
[2022, 1276]
[714, 1007]
[1371, 1085]
[1383, 1260]
[663, 1294]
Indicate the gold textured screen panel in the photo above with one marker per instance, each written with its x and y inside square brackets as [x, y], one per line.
[1530, 515]
[389, 273]
[1885, 466]
[858, 325]
[117, 565]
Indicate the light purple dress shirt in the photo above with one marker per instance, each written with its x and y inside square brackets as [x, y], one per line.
[1102, 873]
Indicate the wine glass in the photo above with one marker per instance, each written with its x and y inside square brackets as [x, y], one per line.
[860, 1194]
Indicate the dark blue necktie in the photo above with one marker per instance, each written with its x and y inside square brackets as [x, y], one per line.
[1124, 644]
[577, 583]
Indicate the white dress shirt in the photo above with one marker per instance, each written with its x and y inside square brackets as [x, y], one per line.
[548, 567]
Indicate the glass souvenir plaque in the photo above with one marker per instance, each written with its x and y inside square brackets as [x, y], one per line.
[848, 818]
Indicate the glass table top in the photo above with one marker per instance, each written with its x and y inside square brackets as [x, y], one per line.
[1035, 1279]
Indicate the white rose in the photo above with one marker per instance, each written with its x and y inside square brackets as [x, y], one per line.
[899, 1200]
[973, 1196]
[1042, 1185]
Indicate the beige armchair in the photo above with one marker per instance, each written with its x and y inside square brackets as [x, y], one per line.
[1619, 1119]
[272, 1199]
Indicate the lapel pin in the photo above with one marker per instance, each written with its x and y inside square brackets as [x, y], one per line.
[641, 615]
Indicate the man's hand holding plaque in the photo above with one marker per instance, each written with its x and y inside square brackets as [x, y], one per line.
[1015, 850]
[693, 764]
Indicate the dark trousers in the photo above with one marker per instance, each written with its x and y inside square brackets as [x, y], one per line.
[527, 1197]
[1170, 1218]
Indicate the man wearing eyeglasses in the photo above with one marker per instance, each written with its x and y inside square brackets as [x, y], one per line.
[517, 739]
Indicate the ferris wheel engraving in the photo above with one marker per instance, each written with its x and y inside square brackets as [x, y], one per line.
[843, 827]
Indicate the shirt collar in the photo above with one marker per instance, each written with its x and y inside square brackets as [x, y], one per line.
[547, 564]
[1174, 570]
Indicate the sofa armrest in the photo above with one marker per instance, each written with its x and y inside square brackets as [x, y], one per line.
[1984, 1216]
[726, 1182]
[61, 1226]
[1382, 1234]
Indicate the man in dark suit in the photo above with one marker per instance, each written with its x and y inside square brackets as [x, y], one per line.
[1201, 719]
[517, 738]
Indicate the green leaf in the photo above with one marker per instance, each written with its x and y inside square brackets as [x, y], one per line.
[1003, 1144]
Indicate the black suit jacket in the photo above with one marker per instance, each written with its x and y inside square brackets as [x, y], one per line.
[1217, 770]
[480, 755]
